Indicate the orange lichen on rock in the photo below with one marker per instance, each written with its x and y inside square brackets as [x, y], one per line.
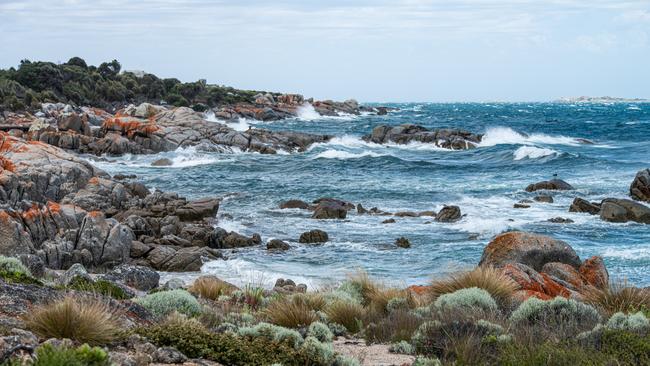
[11, 144]
[530, 280]
[93, 180]
[418, 289]
[131, 127]
[32, 213]
[4, 216]
[6, 164]
[53, 207]
[95, 214]
[594, 272]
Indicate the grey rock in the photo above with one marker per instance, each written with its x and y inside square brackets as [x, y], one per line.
[313, 236]
[138, 277]
[162, 162]
[640, 187]
[553, 184]
[544, 198]
[446, 138]
[403, 242]
[295, 204]
[582, 205]
[449, 214]
[330, 210]
[75, 273]
[168, 355]
[623, 210]
[277, 244]
[173, 284]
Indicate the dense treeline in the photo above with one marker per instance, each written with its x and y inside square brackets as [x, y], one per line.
[75, 82]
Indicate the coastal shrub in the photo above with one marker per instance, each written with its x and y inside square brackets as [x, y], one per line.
[195, 341]
[628, 348]
[314, 300]
[397, 303]
[397, 326]
[636, 322]
[272, 333]
[471, 299]
[210, 287]
[348, 314]
[360, 287]
[426, 361]
[557, 313]
[402, 347]
[492, 280]
[103, 287]
[455, 339]
[618, 297]
[550, 354]
[49, 355]
[343, 360]
[290, 312]
[85, 320]
[337, 329]
[320, 331]
[251, 296]
[322, 353]
[164, 303]
[14, 271]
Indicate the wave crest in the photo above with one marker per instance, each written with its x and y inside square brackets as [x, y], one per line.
[507, 136]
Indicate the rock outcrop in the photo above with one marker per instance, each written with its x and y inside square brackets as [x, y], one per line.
[543, 267]
[553, 184]
[624, 210]
[447, 138]
[640, 187]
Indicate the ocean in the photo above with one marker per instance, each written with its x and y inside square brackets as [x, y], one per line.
[523, 143]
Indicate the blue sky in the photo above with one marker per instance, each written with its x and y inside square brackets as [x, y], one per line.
[408, 50]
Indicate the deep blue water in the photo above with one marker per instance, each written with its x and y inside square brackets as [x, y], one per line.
[524, 143]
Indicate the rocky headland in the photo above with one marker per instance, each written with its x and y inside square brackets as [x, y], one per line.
[81, 247]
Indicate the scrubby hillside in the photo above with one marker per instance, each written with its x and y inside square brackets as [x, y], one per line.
[103, 86]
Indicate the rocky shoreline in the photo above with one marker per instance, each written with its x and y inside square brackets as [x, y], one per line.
[62, 217]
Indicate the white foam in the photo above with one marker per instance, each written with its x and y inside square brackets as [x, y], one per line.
[628, 254]
[344, 155]
[349, 141]
[242, 124]
[183, 157]
[242, 272]
[306, 112]
[532, 152]
[507, 136]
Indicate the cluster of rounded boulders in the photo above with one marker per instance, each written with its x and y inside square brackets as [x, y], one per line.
[407, 133]
[553, 184]
[640, 187]
[542, 266]
[624, 210]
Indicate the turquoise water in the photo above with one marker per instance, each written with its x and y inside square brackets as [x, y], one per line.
[524, 143]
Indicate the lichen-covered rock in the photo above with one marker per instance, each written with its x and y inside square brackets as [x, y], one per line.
[533, 250]
[594, 272]
[138, 277]
[108, 242]
[533, 282]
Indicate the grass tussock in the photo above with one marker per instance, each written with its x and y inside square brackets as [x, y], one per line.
[490, 279]
[210, 287]
[348, 314]
[291, 312]
[85, 320]
[618, 297]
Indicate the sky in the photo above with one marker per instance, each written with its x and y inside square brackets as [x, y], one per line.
[373, 51]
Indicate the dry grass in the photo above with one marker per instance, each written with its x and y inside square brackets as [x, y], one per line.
[348, 314]
[490, 279]
[397, 326]
[210, 287]
[314, 300]
[290, 312]
[85, 320]
[618, 297]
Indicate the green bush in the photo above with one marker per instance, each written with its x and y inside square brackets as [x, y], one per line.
[556, 312]
[319, 352]
[402, 347]
[320, 331]
[636, 322]
[272, 333]
[468, 299]
[550, 354]
[342, 360]
[48, 355]
[451, 339]
[103, 287]
[14, 271]
[195, 341]
[628, 348]
[166, 302]
[426, 361]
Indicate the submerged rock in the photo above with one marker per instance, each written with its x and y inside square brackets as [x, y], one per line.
[403, 242]
[330, 210]
[582, 205]
[277, 244]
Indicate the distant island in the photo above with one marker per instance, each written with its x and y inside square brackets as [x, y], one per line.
[606, 99]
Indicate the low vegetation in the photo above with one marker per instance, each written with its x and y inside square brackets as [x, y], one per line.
[164, 303]
[85, 320]
[102, 287]
[14, 271]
